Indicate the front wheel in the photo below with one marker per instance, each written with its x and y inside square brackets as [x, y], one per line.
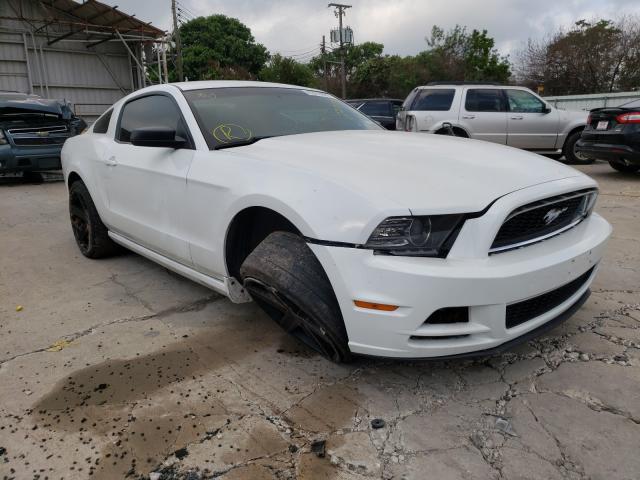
[287, 281]
[623, 167]
[92, 237]
[570, 153]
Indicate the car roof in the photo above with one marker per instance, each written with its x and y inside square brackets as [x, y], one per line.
[202, 84]
[373, 100]
[469, 84]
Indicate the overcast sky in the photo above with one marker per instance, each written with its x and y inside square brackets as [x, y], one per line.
[295, 28]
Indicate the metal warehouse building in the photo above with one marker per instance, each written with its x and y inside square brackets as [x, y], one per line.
[89, 53]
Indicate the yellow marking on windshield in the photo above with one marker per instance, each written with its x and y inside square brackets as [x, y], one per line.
[228, 132]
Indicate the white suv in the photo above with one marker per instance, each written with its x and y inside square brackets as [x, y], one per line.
[513, 116]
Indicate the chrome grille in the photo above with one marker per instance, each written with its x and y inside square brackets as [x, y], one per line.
[543, 219]
[37, 136]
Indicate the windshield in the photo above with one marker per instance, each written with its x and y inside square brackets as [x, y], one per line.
[240, 114]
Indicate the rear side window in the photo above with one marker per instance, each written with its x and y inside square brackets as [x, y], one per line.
[377, 109]
[102, 124]
[150, 111]
[484, 100]
[434, 100]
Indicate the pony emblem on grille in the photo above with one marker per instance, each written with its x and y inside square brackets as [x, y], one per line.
[553, 214]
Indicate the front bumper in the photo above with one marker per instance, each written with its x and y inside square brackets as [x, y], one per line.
[485, 284]
[23, 159]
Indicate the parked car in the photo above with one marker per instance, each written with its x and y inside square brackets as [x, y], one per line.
[513, 116]
[382, 110]
[32, 131]
[353, 238]
[613, 134]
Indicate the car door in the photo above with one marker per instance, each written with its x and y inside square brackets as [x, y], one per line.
[484, 114]
[531, 124]
[146, 186]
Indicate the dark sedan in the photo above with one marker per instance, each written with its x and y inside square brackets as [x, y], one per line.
[613, 134]
[382, 110]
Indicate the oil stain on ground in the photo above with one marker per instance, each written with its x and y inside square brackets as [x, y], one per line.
[100, 403]
[134, 413]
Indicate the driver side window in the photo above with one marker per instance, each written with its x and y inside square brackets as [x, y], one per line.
[523, 102]
[150, 111]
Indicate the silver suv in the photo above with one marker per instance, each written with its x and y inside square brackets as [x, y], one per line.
[513, 116]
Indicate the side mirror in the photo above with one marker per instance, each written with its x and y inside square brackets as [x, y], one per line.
[156, 137]
[546, 109]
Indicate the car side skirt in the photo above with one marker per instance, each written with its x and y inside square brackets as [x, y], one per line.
[229, 287]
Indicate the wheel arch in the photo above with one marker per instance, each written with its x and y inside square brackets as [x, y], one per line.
[247, 229]
[72, 178]
[572, 130]
[439, 129]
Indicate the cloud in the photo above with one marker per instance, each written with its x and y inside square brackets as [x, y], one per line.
[296, 27]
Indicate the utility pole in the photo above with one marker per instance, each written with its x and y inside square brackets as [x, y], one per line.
[165, 39]
[340, 12]
[323, 50]
[176, 34]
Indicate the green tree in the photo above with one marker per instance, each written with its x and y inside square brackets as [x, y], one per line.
[592, 57]
[286, 70]
[355, 57]
[217, 47]
[459, 55]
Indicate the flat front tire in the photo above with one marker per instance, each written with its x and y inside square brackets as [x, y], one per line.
[92, 237]
[287, 281]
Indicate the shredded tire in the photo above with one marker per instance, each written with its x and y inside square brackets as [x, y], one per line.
[283, 271]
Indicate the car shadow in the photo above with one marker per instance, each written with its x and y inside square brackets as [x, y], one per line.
[30, 178]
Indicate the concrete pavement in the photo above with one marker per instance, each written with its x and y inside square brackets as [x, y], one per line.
[117, 368]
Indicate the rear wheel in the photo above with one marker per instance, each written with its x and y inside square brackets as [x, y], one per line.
[570, 152]
[91, 235]
[623, 167]
[286, 280]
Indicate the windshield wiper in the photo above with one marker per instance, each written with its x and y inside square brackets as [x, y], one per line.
[241, 143]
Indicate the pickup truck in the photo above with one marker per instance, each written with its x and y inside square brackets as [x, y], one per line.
[32, 132]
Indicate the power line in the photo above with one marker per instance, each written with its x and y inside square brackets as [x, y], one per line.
[297, 49]
[187, 9]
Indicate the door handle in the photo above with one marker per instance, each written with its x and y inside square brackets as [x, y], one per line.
[517, 118]
[111, 161]
[468, 117]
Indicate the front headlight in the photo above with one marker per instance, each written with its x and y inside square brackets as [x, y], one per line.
[428, 236]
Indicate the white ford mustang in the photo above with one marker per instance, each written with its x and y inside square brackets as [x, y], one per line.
[354, 239]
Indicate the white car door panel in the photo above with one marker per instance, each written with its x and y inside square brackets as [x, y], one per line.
[531, 124]
[483, 114]
[146, 186]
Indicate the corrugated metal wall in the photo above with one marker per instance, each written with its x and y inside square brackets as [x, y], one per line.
[588, 102]
[90, 79]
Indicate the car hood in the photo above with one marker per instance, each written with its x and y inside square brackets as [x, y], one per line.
[424, 173]
[12, 104]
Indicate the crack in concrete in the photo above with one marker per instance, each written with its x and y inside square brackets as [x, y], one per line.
[188, 307]
[567, 462]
